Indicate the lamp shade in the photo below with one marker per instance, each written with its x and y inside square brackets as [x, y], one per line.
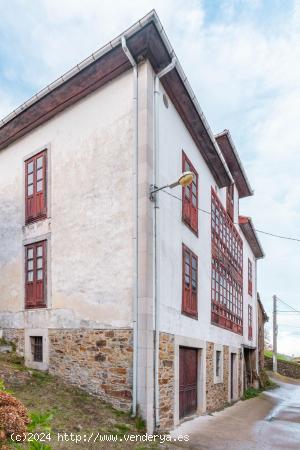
[186, 178]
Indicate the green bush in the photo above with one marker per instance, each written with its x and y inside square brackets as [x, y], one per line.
[251, 393]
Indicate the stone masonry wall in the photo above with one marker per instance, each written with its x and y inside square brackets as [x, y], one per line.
[98, 361]
[287, 368]
[166, 381]
[16, 336]
[216, 394]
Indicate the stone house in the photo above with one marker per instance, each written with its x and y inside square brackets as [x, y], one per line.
[147, 301]
[262, 318]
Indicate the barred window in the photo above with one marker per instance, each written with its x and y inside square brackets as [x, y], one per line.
[227, 270]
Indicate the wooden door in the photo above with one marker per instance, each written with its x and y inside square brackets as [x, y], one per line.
[232, 376]
[188, 369]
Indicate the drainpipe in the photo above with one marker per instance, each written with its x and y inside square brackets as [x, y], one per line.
[256, 319]
[156, 270]
[135, 225]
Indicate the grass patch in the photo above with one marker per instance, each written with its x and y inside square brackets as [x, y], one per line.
[251, 393]
[269, 354]
[61, 408]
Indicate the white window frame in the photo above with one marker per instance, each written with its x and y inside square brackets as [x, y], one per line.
[219, 378]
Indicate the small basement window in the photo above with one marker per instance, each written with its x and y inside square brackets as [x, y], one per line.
[37, 348]
[218, 364]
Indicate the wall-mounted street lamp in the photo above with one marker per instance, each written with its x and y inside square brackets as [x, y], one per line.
[184, 180]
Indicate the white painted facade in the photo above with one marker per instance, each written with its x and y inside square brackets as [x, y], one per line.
[173, 138]
[89, 224]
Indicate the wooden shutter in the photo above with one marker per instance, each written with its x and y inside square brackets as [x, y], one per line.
[35, 273]
[249, 277]
[189, 282]
[230, 201]
[29, 189]
[250, 330]
[40, 184]
[35, 187]
[190, 197]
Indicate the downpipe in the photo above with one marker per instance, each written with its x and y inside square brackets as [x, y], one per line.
[135, 225]
[156, 240]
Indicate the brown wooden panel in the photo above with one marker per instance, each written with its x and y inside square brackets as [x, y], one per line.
[188, 370]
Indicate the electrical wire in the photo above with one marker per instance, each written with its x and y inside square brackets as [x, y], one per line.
[258, 231]
[289, 306]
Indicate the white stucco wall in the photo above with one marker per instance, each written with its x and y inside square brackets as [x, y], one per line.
[173, 138]
[89, 229]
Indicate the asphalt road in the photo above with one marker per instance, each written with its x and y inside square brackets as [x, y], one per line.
[268, 422]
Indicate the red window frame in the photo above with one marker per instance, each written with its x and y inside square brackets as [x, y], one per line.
[190, 197]
[230, 201]
[189, 283]
[227, 270]
[35, 275]
[250, 277]
[35, 187]
[250, 329]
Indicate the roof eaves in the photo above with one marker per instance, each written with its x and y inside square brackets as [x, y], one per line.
[78, 68]
[150, 17]
[236, 155]
[244, 221]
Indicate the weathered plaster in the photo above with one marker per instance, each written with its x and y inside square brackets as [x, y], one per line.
[91, 220]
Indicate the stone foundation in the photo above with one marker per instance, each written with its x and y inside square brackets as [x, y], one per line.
[98, 361]
[166, 381]
[216, 394]
[17, 337]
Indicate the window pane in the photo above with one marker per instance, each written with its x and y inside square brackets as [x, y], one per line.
[194, 200]
[39, 263]
[39, 251]
[187, 280]
[39, 186]
[30, 253]
[30, 189]
[39, 174]
[187, 269]
[39, 162]
[30, 179]
[194, 188]
[39, 274]
[194, 262]
[30, 167]
[30, 265]
[29, 276]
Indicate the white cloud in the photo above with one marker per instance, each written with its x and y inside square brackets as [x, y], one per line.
[246, 76]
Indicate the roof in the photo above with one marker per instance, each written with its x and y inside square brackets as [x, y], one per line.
[265, 315]
[234, 163]
[146, 39]
[248, 230]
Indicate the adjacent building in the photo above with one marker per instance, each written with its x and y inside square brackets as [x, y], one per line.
[262, 318]
[148, 301]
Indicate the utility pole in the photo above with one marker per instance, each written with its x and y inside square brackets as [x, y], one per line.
[275, 332]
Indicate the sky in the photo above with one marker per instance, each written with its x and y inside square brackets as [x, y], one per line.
[242, 58]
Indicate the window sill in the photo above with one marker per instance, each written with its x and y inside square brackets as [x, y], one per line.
[191, 316]
[195, 232]
[34, 307]
[36, 219]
